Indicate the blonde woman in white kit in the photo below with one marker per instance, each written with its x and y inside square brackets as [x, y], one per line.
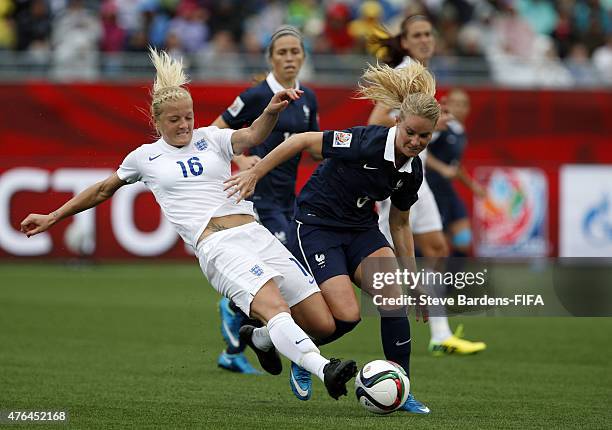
[185, 169]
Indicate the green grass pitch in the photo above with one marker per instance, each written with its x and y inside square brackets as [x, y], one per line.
[133, 346]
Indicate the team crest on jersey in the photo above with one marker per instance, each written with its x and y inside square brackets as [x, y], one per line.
[236, 107]
[306, 113]
[256, 270]
[320, 259]
[201, 144]
[342, 140]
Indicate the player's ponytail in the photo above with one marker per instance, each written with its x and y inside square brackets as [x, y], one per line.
[384, 84]
[410, 89]
[168, 84]
[389, 48]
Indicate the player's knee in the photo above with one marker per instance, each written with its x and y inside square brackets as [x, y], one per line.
[347, 313]
[462, 238]
[436, 247]
[440, 249]
[275, 307]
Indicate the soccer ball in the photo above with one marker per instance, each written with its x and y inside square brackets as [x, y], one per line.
[382, 386]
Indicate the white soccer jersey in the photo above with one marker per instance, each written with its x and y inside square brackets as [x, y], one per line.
[187, 182]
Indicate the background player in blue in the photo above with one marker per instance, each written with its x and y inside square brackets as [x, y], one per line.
[443, 162]
[274, 196]
[335, 225]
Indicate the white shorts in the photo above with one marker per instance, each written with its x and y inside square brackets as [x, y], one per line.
[424, 214]
[240, 260]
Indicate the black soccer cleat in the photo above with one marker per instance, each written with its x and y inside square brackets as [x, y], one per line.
[336, 374]
[269, 360]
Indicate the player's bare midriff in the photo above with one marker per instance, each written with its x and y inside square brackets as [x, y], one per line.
[225, 222]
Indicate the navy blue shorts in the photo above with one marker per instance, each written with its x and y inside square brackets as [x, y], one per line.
[328, 252]
[277, 221]
[451, 207]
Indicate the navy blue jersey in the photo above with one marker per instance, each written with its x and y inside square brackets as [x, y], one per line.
[359, 169]
[447, 147]
[276, 190]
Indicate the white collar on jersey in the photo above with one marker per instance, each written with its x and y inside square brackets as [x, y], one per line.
[275, 86]
[390, 151]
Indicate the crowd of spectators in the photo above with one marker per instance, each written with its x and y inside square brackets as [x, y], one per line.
[564, 41]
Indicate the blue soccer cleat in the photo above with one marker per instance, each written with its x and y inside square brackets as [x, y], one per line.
[413, 406]
[230, 326]
[300, 381]
[236, 363]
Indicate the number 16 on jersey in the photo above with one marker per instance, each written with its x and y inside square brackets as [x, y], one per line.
[195, 167]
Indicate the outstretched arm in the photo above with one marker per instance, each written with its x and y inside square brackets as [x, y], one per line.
[88, 198]
[244, 183]
[261, 128]
[455, 171]
[244, 162]
[449, 171]
[469, 182]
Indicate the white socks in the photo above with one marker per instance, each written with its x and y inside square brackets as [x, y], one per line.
[440, 331]
[261, 338]
[314, 363]
[438, 325]
[293, 342]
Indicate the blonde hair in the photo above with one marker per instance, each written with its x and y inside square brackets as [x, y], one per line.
[410, 89]
[168, 83]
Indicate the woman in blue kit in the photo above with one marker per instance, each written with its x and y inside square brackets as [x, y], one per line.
[335, 225]
[274, 196]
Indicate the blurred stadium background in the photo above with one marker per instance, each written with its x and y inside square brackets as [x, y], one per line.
[74, 76]
[120, 344]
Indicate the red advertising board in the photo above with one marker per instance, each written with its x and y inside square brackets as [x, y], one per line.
[57, 139]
